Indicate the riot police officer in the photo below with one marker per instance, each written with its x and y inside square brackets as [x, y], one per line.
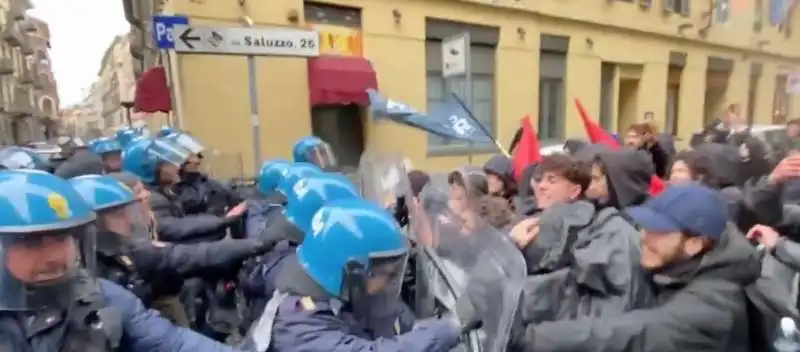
[49, 301]
[126, 136]
[14, 157]
[156, 161]
[110, 152]
[315, 151]
[138, 264]
[341, 293]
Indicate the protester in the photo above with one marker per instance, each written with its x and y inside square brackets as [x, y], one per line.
[620, 178]
[500, 177]
[785, 251]
[582, 256]
[700, 270]
[644, 136]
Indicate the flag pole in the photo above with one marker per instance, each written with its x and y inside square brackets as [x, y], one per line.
[481, 126]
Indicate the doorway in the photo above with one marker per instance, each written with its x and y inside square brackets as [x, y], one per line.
[627, 103]
[341, 126]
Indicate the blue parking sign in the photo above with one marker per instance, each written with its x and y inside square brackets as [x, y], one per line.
[162, 30]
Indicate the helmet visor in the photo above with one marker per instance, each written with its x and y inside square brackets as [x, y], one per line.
[127, 220]
[321, 155]
[38, 268]
[14, 158]
[168, 151]
[188, 142]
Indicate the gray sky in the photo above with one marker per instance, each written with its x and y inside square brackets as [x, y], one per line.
[80, 33]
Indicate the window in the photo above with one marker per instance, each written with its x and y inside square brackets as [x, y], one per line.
[722, 11]
[780, 103]
[678, 6]
[673, 105]
[551, 108]
[552, 103]
[332, 15]
[439, 90]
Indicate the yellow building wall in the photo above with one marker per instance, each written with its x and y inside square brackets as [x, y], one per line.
[214, 87]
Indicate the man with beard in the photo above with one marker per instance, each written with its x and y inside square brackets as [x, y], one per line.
[700, 270]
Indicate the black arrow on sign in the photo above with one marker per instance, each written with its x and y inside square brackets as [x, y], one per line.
[187, 38]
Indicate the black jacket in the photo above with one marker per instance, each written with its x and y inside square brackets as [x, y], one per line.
[702, 306]
[145, 267]
[174, 225]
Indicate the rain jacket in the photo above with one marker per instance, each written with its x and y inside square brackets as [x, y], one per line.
[590, 251]
[173, 225]
[702, 305]
[585, 262]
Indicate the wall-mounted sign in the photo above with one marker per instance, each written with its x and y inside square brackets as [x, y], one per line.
[338, 40]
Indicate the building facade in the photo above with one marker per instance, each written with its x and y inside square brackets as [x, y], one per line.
[29, 106]
[682, 62]
[115, 84]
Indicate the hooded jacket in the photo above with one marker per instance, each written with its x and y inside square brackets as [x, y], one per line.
[584, 263]
[701, 306]
[628, 174]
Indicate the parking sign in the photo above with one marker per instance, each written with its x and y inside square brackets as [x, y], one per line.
[162, 30]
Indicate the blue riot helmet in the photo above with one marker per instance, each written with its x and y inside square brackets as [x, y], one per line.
[145, 156]
[271, 174]
[314, 151]
[110, 151]
[165, 131]
[120, 215]
[295, 173]
[309, 194]
[187, 141]
[125, 137]
[14, 157]
[355, 251]
[45, 240]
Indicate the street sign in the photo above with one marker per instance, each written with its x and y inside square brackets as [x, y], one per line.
[272, 41]
[162, 30]
[456, 55]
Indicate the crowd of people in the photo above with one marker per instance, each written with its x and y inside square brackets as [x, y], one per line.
[129, 246]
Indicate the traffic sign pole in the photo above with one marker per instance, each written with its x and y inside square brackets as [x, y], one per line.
[252, 88]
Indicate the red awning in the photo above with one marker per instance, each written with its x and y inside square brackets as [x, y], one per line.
[340, 80]
[152, 92]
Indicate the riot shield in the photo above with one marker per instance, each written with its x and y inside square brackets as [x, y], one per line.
[384, 179]
[464, 258]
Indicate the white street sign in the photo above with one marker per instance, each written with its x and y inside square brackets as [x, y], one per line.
[455, 55]
[272, 41]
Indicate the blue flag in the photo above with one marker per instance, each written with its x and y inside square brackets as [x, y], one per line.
[449, 120]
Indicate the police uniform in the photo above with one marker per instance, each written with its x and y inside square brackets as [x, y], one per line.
[45, 221]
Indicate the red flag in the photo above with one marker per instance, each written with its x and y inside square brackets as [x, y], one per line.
[598, 135]
[527, 149]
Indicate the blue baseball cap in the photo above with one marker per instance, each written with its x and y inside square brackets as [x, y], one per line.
[692, 209]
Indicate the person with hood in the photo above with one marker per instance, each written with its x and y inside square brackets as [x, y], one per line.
[620, 178]
[700, 270]
[582, 254]
[500, 178]
[643, 136]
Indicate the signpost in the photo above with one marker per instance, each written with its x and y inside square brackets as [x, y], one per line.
[175, 33]
[457, 61]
